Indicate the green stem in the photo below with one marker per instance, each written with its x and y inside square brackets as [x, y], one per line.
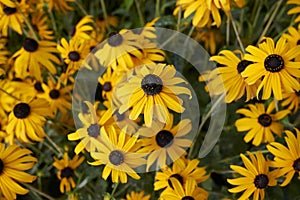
[105, 14]
[115, 189]
[226, 160]
[157, 13]
[54, 145]
[52, 19]
[38, 191]
[179, 19]
[270, 21]
[237, 34]
[138, 7]
[81, 8]
[227, 31]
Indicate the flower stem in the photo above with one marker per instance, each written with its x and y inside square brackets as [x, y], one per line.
[54, 145]
[38, 191]
[105, 14]
[237, 34]
[138, 7]
[227, 31]
[270, 21]
[115, 189]
[157, 13]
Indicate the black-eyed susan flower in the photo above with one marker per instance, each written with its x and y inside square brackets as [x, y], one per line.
[83, 28]
[260, 123]
[58, 95]
[66, 169]
[183, 170]
[256, 176]
[294, 10]
[73, 53]
[230, 76]
[291, 101]
[293, 38]
[13, 162]
[274, 64]
[3, 124]
[108, 81]
[118, 48]
[190, 191]
[89, 134]
[12, 16]
[152, 90]
[287, 158]
[8, 3]
[165, 141]
[117, 154]
[39, 22]
[34, 55]
[3, 58]
[62, 6]
[137, 196]
[111, 20]
[27, 119]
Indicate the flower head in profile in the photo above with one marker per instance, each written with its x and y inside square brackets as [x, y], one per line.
[40, 24]
[287, 157]
[275, 66]
[230, 77]
[27, 119]
[137, 196]
[293, 38]
[165, 141]
[151, 90]
[260, 123]
[14, 161]
[83, 29]
[256, 176]
[190, 191]
[33, 56]
[294, 10]
[117, 153]
[66, 169]
[62, 6]
[291, 101]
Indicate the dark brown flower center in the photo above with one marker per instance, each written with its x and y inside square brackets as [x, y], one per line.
[38, 86]
[1, 166]
[107, 86]
[67, 172]
[152, 84]
[9, 11]
[274, 63]
[296, 165]
[54, 94]
[74, 56]
[114, 39]
[298, 93]
[164, 138]
[94, 130]
[116, 157]
[243, 65]
[187, 198]
[30, 45]
[298, 42]
[21, 110]
[120, 117]
[178, 177]
[265, 120]
[261, 181]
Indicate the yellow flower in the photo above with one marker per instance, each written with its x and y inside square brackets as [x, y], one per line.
[287, 159]
[152, 90]
[33, 55]
[60, 5]
[39, 22]
[294, 10]
[260, 123]
[291, 100]
[274, 64]
[27, 119]
[66, 169]
[137, 196]
[82, 29]
[13, 162]
[255, 176]
[116, 153]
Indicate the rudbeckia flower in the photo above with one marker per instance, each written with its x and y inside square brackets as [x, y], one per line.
[230, 76]
[137, 196]
[27, 119]
[291, 101]
[294, 10]
[58, 96]
[275, 66]
[183, 170]
[152, 90]
[190, 191]
[40, 24]
[287, 158]
[256, 177]
[13, 162]
[82, 29]
[66, 169]
[162, 142]
[34, 55]
[62, 6]
[118, 48]
[260, 123]
[11, 16]
[112, 21]
[293, 38]
[116, 153]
